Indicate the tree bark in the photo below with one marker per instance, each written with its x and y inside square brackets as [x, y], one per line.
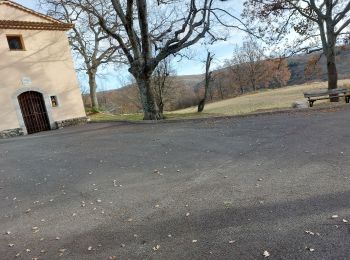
[149, 105]
[93, 88]
[161, 107]
[208, 78]
[332, 72]
[221, 91]
[242, 90]
[201, 105]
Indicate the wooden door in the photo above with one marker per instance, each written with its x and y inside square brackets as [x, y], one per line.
[34, 112]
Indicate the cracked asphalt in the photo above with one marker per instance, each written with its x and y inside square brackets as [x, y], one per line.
[228, 188]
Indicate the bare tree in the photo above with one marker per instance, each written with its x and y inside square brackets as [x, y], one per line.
[313, 68]
[319, 24]
[251, 69]
[248, 65]
[208, 79]
[277, 72]
[150, 31]
[162, 82]
[88, 40]
[219, 84]
[236, 75]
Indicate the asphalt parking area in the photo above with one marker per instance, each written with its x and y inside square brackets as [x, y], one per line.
[204, 189]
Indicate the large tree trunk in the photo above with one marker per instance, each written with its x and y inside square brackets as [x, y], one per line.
[149, 104]
[332, 71]
[93, 88]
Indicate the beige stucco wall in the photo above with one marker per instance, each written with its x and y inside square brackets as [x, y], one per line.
[47, 61]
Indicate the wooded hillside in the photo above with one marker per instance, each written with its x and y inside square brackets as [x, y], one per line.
[187, 90]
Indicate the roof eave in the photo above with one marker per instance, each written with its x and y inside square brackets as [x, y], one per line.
[23, 25]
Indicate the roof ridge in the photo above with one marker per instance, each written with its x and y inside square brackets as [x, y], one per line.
[31, 11]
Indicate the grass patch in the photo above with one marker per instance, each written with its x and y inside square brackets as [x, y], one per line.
[105, 117]
[265, 100]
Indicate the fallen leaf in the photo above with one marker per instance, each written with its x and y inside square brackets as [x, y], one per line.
[155, 248]
[309, 232]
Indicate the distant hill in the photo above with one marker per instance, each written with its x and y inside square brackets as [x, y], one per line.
[298, 63]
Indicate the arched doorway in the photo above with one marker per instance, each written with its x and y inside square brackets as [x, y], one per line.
[34, 112]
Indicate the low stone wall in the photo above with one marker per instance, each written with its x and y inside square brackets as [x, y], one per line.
[60, 124]
[11, 133]
[72, 122]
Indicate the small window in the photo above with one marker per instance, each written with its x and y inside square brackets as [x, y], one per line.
[15, 42]
[54, 102]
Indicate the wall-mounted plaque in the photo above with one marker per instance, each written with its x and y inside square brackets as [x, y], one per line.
[26, 81]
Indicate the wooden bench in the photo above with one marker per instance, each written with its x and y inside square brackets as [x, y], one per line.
[313, 96]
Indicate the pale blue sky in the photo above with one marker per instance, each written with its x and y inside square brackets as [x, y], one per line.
[222, 51]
